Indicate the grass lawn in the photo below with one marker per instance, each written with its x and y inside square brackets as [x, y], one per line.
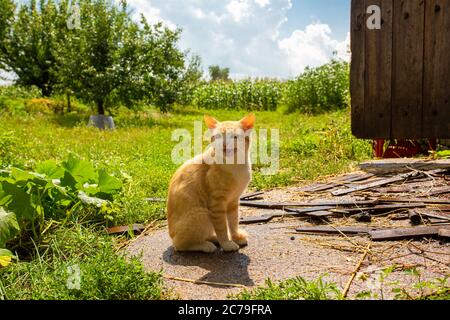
[139, 151]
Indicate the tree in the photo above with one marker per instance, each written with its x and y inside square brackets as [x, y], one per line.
[27, 42]
[108, 59]
[190, 79]
[116, 60]
[216, 73]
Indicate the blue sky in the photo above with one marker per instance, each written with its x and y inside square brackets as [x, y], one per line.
[256, 38]
[336, 13]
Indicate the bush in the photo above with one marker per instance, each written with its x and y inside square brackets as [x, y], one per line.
[20, 92]
[321, 89]
[44, 106]
[35, 200]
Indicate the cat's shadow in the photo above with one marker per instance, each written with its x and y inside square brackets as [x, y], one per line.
[223, 267]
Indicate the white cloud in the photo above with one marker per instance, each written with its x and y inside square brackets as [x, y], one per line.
[312, 46]
[239, 10]
[198, 13]
[343, 49]
[150, 12]
[262, 3]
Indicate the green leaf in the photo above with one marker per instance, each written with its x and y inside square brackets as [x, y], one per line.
[82, 171]
[20, 175]
[69, 181]
[24, 177]
[108, 183]
[17, 200]
[50, 169]
[6, 253]
[443, 153]
[9, 227]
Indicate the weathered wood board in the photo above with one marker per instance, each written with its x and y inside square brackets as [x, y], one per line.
[399, 73]
[387, 166]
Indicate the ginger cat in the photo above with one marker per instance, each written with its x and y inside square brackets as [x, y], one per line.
[203, 201]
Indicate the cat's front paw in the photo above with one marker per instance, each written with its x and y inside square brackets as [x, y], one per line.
[229, 246]
[241, 238]
[208, 247]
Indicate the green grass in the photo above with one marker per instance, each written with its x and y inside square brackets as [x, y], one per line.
[104, 274]
[292, 289]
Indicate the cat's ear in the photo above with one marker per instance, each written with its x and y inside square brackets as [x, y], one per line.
[211, 123]
[248, 122]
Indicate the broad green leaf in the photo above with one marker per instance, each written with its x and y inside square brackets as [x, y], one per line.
[81, 170]
[443, 153]
[50, 169]
[9, 227]
[18, 202]
[6, 252]
[108, 183]
[68, 180]
[20, 175]
[91, 189]
[24, 177]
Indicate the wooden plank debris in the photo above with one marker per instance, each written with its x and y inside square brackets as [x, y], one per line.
[444, 233]
[414, 217]
[404, 233]
[282, 205]
[318, 212]
[389, 166]
[436, 216]
[135, 228]
[347, 230]
[399, 216]
[438, 192]
[415, 200]
[311, 212]
[383, 182]
[319, 187]
[258, 219]
[362, 217]
[377, 209]
[252, 196]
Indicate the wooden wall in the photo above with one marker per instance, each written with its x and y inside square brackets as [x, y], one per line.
[400, 74]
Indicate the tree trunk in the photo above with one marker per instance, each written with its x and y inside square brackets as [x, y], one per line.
[100, 107]
[46, 90]
[69, 106]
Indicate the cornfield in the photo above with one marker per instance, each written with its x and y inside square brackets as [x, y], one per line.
[259, 95]
[316, 90]
[320, 89]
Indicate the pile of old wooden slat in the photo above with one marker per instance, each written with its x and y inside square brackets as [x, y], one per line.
[429, 215]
